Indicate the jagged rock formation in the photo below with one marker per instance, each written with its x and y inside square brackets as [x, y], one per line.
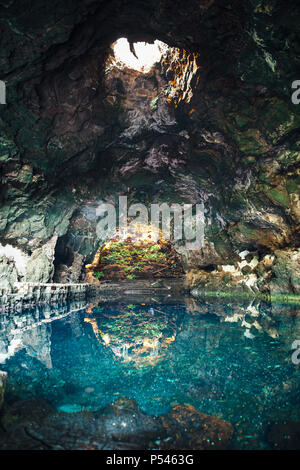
[212, 123]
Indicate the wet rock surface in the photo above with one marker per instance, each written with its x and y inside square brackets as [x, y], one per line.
[168, 290]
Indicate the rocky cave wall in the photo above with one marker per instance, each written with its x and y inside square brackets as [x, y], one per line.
[212, 123]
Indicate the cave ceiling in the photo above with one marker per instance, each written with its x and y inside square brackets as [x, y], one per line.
[213, 122]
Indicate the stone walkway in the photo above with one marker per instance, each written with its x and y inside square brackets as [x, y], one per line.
[30, 294]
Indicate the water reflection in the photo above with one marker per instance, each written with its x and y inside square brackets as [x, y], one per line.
[141, 333]
[31, 331]
[137, 333]
[227, 359]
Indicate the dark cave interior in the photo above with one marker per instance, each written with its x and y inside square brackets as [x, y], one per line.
[197, 354]
[211, 122]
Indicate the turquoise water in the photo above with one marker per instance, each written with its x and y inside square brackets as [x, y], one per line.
[227, 359]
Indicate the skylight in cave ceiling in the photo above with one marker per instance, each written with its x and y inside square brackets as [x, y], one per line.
[140, 56]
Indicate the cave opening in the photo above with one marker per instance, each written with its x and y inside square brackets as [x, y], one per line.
[140, 56]
[140, 253]
[144, 84]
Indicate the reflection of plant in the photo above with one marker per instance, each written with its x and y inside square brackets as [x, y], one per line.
[98, 309]
[131, 276]
[136, 333]
[98, 274]
[135, 325]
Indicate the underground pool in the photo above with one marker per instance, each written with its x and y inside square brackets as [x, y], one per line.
[227, 361]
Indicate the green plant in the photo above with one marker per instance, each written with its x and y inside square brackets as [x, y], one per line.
[136, 258]
[131, 306]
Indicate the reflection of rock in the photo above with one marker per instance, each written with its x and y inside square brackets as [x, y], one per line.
[3, 379]
[254, 316]
[35, 425]
[192, 306]
[284, 435]
[35, 340]
[32, 331]
[38, 344]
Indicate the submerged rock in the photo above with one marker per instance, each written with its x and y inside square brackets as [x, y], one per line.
[33, 424]
[187, 428]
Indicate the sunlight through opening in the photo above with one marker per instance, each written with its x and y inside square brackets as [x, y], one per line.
[139, 56]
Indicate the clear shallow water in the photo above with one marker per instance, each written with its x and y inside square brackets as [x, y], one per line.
[226, 359]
